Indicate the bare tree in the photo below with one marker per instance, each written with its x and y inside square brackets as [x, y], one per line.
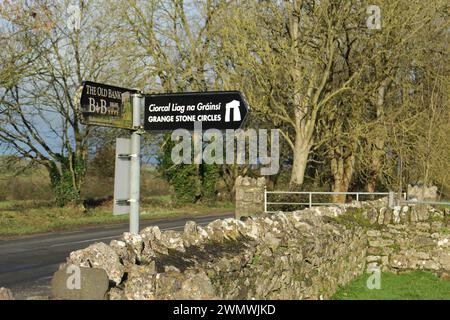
[284, 59]
[40, 119]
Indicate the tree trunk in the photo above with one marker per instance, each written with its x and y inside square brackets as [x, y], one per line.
[302, 143]
[301, 151]
[342, 169]
[372, 182]
[377, 150]
[377, 153]
[339, 186]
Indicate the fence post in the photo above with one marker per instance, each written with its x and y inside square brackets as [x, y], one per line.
[391, 200]
[357, 197]
[310, 199]
[265, 199]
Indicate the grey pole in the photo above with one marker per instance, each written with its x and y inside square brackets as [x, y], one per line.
[135, 165]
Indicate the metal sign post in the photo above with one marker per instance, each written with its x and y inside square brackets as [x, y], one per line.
[135, 166]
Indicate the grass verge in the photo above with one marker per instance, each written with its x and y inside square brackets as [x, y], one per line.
[418, 285]
[18, 218]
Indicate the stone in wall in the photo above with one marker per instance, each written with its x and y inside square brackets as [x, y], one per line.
[249, 196]
[94, 284]
[102, 256]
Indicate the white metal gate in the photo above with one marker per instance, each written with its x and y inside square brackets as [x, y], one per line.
[358, 195]
[312, 202]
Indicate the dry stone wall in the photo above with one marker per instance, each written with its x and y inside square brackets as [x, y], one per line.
[300, 255]
[306, 254]
[409, 238]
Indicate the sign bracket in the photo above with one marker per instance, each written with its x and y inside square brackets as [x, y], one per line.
[124, 156]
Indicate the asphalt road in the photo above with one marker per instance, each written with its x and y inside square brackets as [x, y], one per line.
[27, 264]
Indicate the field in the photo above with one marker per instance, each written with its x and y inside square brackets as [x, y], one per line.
[27, 205]
[417, 285]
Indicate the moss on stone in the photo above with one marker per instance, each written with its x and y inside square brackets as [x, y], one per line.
[255, 261]
[353, 217]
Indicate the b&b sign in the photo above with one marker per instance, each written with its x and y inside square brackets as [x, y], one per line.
[106, 105]
[215, 110]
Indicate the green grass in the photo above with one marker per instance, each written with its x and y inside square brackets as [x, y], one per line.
[28, 217]
[418, 285]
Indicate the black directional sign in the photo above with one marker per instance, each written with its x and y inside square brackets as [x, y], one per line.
[215, 110]
[105, 105]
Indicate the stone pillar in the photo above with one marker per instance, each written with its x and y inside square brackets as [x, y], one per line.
[249, 196]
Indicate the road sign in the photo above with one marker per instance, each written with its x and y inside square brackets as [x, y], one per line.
[105, 105]
[215, 110]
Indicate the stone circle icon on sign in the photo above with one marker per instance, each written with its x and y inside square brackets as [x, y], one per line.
[233, 105]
